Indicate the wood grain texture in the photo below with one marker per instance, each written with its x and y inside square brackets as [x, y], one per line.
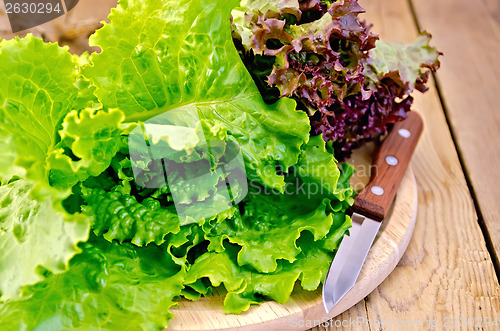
[305, 309]
[388, 176]
[446, 270]
[468, 32]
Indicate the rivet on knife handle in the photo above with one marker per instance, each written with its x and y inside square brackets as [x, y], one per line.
[390, 162]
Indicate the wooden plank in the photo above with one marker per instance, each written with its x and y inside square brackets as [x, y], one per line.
[446, 271]
[468, 32]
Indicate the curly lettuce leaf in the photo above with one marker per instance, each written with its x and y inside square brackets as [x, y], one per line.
[36, 234]
[392, 72]
[121, 217]
[319, 169]
[276, 238]
[352, 85]
[269, 224]
[122, 209]
[268, 229]
[108, 286]
[179, 143]
[40, 103]
[317, 55]
[405, 64]
[246, 17]
[340, 226]
[198, 161]
[34, 99]
[159, 56]
[246, 287]
[93, 137]
[344, 191]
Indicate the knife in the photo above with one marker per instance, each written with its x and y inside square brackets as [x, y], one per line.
[370, 207]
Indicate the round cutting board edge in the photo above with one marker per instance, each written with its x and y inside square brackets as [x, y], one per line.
[305, 309]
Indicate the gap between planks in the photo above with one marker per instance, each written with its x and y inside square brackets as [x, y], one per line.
[481, 222]
[469, 34]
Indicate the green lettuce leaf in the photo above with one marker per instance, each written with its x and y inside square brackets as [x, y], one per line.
[341, 223]
[277, 239]
[93, 137]
[403, 63]
[344, 190]
[121, 209]
[246, 287]
[318, 168]
[186, 154]
[121, 217]
[40, 104]
[34, 99]
[36, 234]
[108, 286]
[269, 224]
[160, 56]
[269, 228]
[8, 168]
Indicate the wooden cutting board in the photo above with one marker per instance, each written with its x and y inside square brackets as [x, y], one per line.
[305, 309]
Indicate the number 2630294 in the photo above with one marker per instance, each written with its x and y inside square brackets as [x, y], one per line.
[32, 8]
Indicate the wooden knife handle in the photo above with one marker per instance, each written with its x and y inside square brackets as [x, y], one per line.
[391, 160]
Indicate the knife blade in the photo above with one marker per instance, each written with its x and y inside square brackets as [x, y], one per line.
[370, 207]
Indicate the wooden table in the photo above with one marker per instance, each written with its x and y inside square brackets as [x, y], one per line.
[451, 268]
